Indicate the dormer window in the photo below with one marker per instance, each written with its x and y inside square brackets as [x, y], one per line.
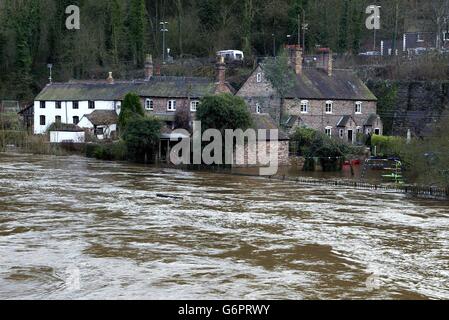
[171, 105]
[259, 77]
[304, 106]
[358, 107]
[329, 107]
[149, 104]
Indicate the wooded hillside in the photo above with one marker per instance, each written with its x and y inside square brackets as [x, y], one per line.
[116, 34]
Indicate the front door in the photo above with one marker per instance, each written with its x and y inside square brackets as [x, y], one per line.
[350, 136]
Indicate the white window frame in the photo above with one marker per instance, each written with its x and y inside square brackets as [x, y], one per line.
[377, 129]
[304, 108]
[341, 133]
[359, 129]
[149, 104]
[194, 105]
[259, 77]
[171, 105]
[358, 107]
[258, 108]
[331, 104]
[445, 36]
[328, 131]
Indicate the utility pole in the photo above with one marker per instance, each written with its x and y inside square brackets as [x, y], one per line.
[375, 33]
[305, 27]
[163, 30]
[299, 29]
[274, 44]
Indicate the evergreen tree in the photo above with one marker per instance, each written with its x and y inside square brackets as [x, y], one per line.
[137, 27]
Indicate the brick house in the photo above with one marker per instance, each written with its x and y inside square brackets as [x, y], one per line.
[336, 102]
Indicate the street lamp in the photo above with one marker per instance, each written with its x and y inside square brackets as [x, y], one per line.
[163, 30]
[50, 67]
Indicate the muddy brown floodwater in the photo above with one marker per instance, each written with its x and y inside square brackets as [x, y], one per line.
[74, 228]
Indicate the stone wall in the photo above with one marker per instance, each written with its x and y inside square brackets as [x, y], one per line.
[263, 152]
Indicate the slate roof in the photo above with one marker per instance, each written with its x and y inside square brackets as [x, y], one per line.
[343, 122]
[291, 121]
[315, 84]
[64, 127]
[371, 119]
[103, 117]
[160, 86]
[265, 121]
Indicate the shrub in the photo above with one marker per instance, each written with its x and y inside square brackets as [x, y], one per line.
[388, 146]
[108, 152]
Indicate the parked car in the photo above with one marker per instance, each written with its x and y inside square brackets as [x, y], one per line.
[370, 54]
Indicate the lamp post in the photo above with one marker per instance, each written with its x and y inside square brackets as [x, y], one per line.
[50, 67]
[163, 30]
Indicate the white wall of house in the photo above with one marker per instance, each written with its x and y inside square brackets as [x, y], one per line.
[66, 136]
[67, 112]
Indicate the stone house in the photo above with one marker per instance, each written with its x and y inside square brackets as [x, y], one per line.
[332, 101]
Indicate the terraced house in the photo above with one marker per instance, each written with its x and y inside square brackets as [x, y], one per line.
[333, 101]
[71, 102]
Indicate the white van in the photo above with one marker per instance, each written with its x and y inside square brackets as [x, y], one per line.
[231, 55]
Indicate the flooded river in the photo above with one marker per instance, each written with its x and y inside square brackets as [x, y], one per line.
[75, 228]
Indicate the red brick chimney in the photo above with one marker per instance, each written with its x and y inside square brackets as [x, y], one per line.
[295, 57]
[221, 76]
[325, 61]
[110, 79]
[149, 67]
